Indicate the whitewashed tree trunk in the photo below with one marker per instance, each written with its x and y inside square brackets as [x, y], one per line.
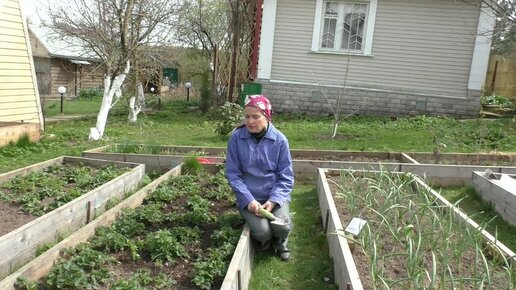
[110, 88]
[136, 104]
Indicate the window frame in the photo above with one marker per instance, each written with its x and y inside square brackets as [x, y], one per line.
[368, 31]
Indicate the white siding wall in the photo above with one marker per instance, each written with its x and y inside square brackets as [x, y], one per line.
[418, 45]
[18, 97]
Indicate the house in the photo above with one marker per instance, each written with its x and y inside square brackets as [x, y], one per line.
[20, 108]
[58, 63]
[380, 57]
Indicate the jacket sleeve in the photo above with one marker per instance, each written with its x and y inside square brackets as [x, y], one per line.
[234, 173]
[280, 193]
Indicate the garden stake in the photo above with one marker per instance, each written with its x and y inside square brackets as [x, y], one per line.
[88, 212]
[326, 223]
[239, 280]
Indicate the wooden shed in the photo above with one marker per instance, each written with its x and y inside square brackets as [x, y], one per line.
[59, 64]
[20, 108]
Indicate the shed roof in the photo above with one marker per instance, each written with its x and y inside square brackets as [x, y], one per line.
[58, 47]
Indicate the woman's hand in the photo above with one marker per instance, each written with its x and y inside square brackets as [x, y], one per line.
[253, 207]
[269, 205]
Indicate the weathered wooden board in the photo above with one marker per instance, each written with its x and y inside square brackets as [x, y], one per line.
[464, 158]
[442, 174]
[503, 201]
[20, 245]
[345, 270]
[240, 268]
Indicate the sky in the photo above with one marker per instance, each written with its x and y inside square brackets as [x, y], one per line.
[30, 8]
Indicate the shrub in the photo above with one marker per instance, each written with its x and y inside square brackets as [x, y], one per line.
[498, 100]
[230, 116]
[205, 92]
[90, 93]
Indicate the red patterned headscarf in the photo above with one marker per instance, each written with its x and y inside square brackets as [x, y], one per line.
[261, 103]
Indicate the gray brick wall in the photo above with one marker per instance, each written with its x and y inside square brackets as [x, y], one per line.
[310, 100]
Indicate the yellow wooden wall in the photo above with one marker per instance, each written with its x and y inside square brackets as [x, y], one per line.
[19, 99]
[505, 78]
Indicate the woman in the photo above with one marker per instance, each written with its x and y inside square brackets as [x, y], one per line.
[259, 170]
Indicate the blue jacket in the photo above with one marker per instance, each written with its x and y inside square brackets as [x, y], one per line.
[259, 170]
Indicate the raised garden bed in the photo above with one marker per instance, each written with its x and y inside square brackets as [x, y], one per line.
[180, 231]
[501, 196]
[305, 162]
[151, 156]
[322, 155]
[495, 159]
[414, 238]
[158, 158]
[44, 202]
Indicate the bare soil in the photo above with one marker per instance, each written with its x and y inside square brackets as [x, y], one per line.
[12, 218]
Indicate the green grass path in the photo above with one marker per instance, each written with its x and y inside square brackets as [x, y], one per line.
[310, 264]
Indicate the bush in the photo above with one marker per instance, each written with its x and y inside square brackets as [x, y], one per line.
[497, 100]
[205, 93]
[90, 93]
[230, 116]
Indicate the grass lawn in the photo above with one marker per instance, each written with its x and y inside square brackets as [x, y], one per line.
[310, 263]
[482, 213]
[180, 123]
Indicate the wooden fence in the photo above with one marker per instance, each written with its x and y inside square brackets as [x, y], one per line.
[501, 75]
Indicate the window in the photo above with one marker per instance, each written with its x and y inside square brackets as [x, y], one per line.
[344, 26]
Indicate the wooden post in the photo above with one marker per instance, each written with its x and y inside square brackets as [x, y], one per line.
[326, 222]
[88, 212]
[236, 37]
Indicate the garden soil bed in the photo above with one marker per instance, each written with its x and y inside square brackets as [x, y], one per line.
[395, 269]
[182, 236]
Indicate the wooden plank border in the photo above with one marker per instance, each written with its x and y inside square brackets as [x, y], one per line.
[240, 268]
[344, 268]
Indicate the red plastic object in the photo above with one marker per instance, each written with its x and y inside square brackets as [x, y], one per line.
[203, 160]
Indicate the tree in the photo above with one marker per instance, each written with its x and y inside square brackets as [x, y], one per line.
[504, 36]
[504, 33]
[203, 25]
[117, 32]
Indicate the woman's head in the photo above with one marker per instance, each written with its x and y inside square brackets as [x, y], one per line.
[257, 112]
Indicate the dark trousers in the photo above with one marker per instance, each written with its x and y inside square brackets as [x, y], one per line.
[263, 231]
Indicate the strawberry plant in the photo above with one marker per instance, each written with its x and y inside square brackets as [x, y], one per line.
[163, 246]
[85, 269]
